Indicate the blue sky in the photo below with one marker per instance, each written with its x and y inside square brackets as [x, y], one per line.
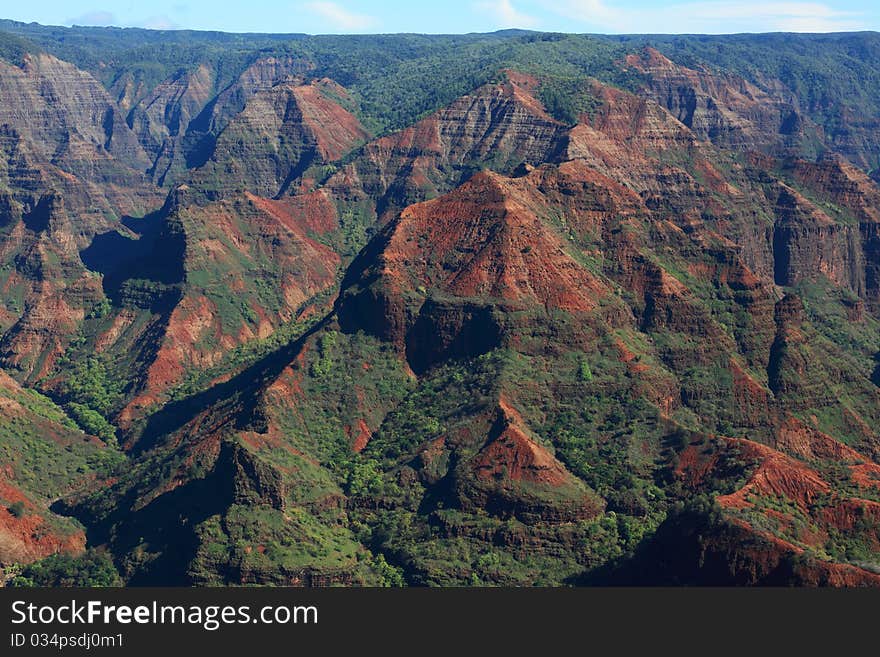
[458, 16]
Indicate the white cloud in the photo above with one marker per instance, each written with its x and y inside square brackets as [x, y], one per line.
[593, 12]
[96, 18]
[710, 17]
[339, 17]
[506, 15]
[158, 23]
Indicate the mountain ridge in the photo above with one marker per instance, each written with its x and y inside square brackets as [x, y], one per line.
[536, 334]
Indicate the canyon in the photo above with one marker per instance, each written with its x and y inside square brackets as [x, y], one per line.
[603, 311]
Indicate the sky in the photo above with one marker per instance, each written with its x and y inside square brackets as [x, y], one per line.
[458, 16]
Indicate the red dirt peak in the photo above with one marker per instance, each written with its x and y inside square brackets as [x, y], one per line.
[336, 130]
[513, 455]
[650, 59]
[485, 239]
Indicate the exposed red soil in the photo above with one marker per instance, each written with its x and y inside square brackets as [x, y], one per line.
[847, 514]
[814, 572]
[362, 437]
[121, 322]
[483, 240]
[720, 107]
[845, 184]
[503, 122]
[300, 214]
[650, 59]
[513, 455]
[695, 464]
[262, 228]
[777, 475]
[796, 437]
[309, 211]
[270, 440]
[751, 398]
[616, 141]
[189, 322]
[336, 130]
[30, 537]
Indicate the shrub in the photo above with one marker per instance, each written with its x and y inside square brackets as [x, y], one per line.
[390, 576]
[364, 478]
[584, 372]
[93, 422]
[90, 569]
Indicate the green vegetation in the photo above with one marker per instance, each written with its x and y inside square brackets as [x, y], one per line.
[567, 450]
[398, 78]
[93, 422]
[46, 449]
[831, 74]
[272, 545]
[92, 569]
[322, 367]
[568, 98]
[585, 374]
[90, 391]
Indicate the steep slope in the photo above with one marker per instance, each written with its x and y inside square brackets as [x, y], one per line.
[510, 366]
[161, 119]
[281, 131]
[498, 125]
[256, 249]
[44, 456]
[481, 241]
[636, 344]
[200, 277]
[70, 120]
[723, 108]
[70, 168]
[266, 250]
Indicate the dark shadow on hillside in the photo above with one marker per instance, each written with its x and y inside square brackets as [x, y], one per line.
[166, 524]
[37, 220]
[110, 251]
[296, 172]
[240, 393]
[154, 260]
[696, 545]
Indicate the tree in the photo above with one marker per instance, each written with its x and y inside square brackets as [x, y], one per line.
[91, 569]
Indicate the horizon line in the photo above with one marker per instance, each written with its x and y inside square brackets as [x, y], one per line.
[440, 34]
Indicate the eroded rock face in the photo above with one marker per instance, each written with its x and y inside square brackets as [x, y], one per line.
[807, 243]
[723, 108]
[263, 74]
[547, 323]
[69, 119]
[483, 240]
[851, 244]
[794, 373]
[511, 458]
[278, 135]
[161, 119]
[55, 288]
[258, 249]
[449, 331]
[39, 437]
[500, 126]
